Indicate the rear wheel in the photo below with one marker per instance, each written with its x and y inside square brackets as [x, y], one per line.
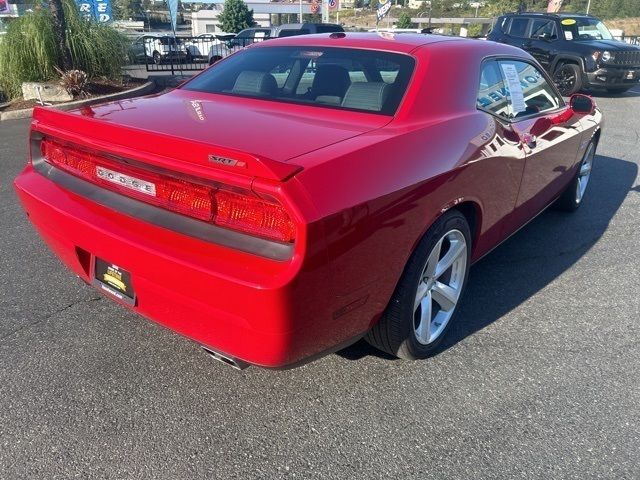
[423, 306]
[157, 58]
[572, 197]
[568, 79]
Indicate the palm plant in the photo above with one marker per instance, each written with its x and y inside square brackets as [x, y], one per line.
[30, 52]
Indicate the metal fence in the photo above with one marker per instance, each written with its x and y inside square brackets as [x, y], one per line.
[179, 54]
[633, 40]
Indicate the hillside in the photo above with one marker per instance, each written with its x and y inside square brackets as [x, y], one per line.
[630, 26]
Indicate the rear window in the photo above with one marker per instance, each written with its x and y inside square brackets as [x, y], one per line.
[352, 79]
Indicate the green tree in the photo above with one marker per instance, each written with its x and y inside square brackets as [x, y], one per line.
[126, 9]
[235, 16]
[498, 7]
[404, 20]
[604, 9]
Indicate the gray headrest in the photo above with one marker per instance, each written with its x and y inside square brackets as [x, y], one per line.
[330, 80]
[366, 95]
[255, 83]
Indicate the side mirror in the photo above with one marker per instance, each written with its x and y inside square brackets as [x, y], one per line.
[583, 104]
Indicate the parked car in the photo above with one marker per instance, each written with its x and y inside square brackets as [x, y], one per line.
[353, 206]
[577, 50]
[293, 29]
[198, 47]
[249, 36]
[137, 50]
[232, 44]
[165, 48]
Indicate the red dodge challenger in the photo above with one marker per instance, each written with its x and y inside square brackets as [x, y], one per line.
[309, 191]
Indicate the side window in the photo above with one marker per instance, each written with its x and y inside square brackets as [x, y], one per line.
[527, 90]
[492, 94]
[518, 27]
[542, 28]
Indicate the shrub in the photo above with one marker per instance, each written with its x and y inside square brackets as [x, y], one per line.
[404, 21]
[73, 81]
[29, 52]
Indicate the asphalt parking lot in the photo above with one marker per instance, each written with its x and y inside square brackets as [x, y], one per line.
[540, 380]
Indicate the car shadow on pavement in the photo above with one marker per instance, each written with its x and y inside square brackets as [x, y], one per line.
[533, 257]
[605, 94]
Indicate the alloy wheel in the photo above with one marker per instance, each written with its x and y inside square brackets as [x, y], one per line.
[565, 79]
[440, 286]
[585, 172]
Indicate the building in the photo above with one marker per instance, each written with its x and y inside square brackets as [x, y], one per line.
[265, 13]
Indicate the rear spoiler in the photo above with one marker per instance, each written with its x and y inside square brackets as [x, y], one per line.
[168, 151]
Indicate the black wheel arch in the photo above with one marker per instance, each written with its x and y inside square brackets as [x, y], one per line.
[472, 212]
[562, 59]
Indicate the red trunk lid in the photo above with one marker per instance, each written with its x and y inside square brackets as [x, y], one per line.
[239, 135]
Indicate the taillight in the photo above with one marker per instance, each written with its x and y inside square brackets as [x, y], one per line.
[253, 216]
[240, 211]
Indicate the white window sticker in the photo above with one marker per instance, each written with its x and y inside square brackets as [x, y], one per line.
[514, 86]
[568, 35]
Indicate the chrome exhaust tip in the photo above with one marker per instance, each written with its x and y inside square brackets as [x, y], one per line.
[232, 362]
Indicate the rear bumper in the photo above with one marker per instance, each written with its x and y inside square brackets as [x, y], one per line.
[614, 77]
[258, 310]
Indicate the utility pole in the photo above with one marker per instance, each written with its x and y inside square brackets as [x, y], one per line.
[588, 6]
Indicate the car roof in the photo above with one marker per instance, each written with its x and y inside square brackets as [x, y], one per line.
[404, 43]
[546, 14]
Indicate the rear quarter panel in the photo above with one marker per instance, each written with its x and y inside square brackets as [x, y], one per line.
[380, 192]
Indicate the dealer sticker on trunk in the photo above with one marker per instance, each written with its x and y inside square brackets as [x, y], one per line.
[126, 181]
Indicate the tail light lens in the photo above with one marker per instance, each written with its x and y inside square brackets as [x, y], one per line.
[240, 211]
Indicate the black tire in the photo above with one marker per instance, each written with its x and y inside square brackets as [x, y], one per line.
[617, 90]
[569, 200]
[214, 59]
[395, 333]
[568, 78]
[157, 58]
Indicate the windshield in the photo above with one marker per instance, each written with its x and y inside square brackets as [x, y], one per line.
[581, 28]
[346, 78]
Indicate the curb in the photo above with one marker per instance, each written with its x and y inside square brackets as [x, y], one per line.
[134, 92]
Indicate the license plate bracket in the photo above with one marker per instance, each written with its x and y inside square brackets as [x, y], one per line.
[114, 280]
